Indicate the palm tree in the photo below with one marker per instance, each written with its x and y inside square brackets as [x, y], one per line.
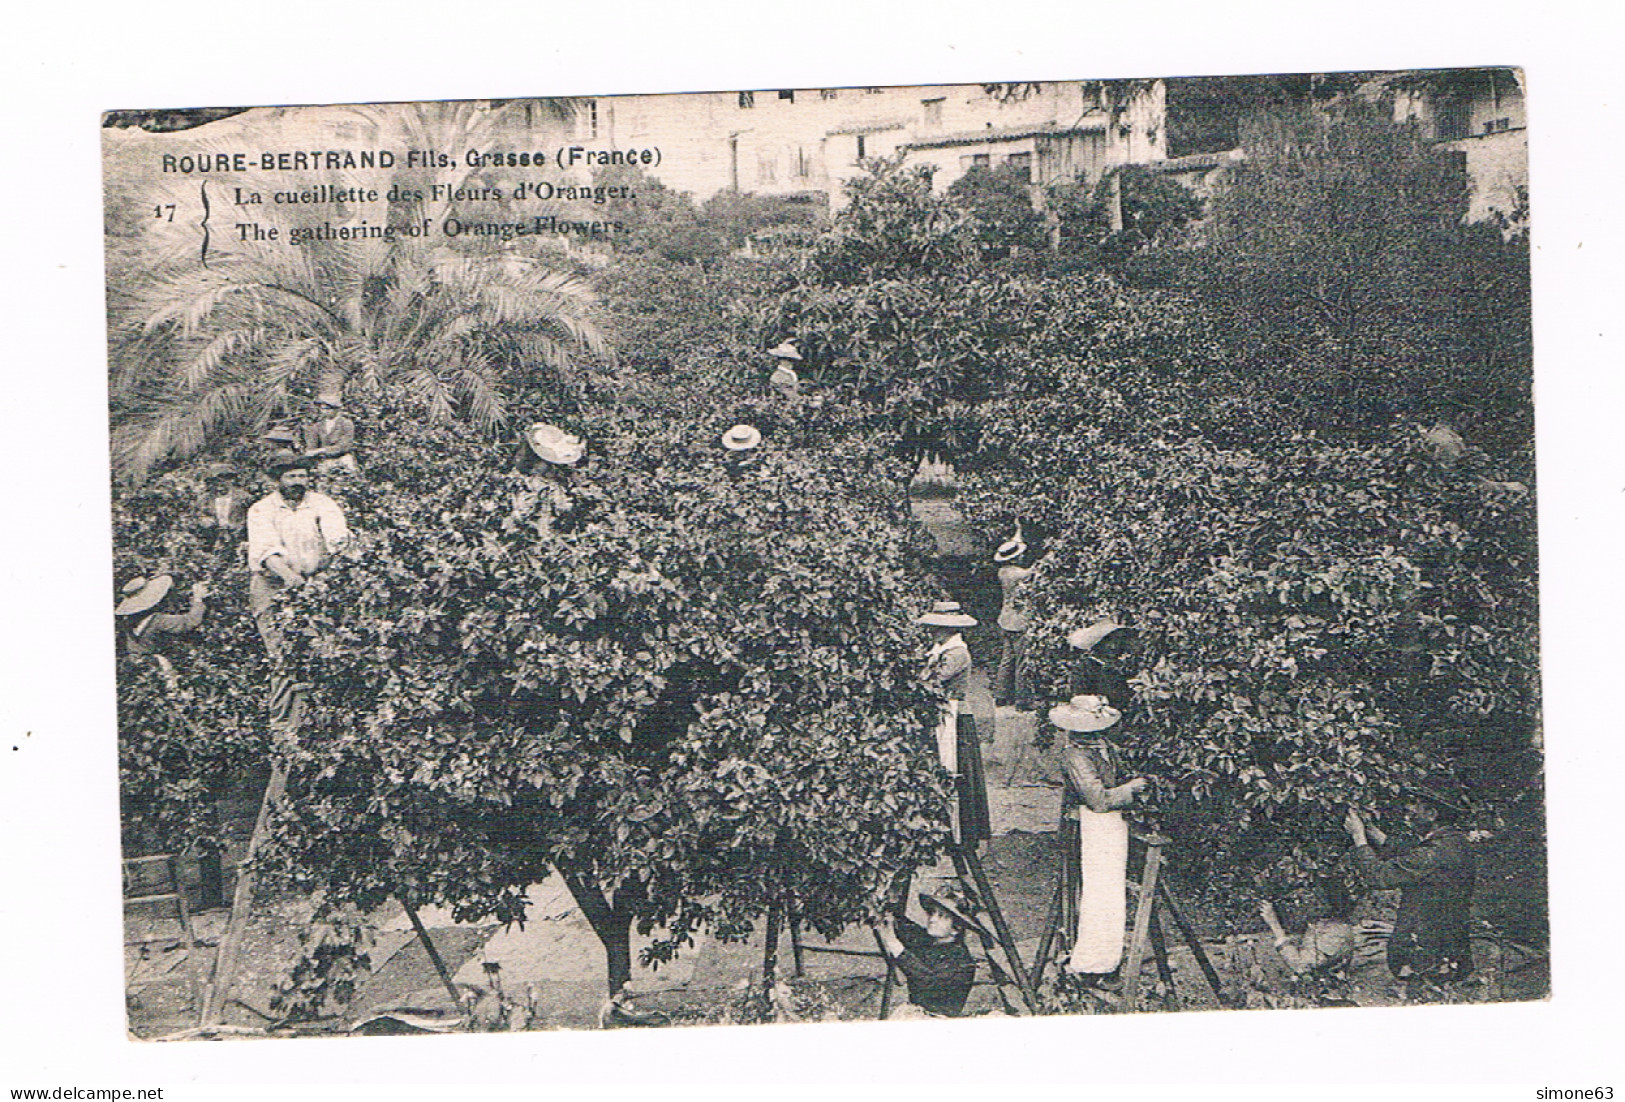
[225, 344]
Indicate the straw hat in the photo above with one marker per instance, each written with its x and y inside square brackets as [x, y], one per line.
[1010, 549]
[1084, 713]
[952, 901]
[281, 434]
[140, 594]
[554, 445]
[785, 350]
[1085, 638]
[741, 438]
[946, 614]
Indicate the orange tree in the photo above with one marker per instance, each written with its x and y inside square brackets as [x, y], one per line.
[181, 746]
[690, 693]
[1340, 259]
[1321, 622]
[896, 311]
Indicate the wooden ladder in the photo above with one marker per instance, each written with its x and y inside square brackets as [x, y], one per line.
[1153, 896]
[172, 892]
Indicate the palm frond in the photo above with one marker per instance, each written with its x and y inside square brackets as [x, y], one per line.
[176, 429]
[475, 384]
[195, 372]
[429, 390]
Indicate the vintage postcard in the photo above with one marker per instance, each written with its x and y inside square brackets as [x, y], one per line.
[826, 554]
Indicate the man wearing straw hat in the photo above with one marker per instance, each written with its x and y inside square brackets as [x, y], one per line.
[1431, 938]
[330, 440]
[948, 667]
[141, 629]
[784, 380]
[142, 625]
[1095, 798]
[292, 533]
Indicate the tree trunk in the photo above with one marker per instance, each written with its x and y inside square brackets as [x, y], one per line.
[612, 924]
[770, 954]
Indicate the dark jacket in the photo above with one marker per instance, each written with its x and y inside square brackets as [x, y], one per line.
[939, 973]
[1435, 881]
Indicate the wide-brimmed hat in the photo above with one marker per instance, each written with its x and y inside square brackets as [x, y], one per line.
[1084, 713]
[140, 594]
[554, 445]
[1085, 638]
[952, 901]
[946, 614]
[286, 459]
[785, 350]
[281, 434]
[329, 398]
[741, 438]
[1010, 549]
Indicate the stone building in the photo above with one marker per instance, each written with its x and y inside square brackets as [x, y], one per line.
[797, 141]
[1477, 114]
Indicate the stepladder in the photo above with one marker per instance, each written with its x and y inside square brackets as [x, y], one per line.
[1153, 898]
[1000, 964]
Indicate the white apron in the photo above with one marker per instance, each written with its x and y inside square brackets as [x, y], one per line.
[948, 728]
[948, 737]
[1102, 909]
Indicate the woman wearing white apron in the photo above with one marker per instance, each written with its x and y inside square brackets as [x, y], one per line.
[948, 667]
[1096, 799]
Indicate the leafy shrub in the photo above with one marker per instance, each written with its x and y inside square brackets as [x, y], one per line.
[893, 227]
[675, 324]
[179, 748]
[1156, 212]
[664, 223]
[695, 695]
[1340, 266]
[1001, 199]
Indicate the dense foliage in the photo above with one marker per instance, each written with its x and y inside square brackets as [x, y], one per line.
[690, 692]
[1339, 265]
[1007, 225]
[1319, 625]
[893, 309]
[179, 751]
[665, 224]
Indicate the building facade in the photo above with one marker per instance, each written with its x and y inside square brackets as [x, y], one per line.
[795, 141]
[1479, 115]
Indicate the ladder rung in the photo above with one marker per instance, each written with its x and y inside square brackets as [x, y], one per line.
[166, 897]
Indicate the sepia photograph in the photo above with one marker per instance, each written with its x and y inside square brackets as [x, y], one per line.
[1008, 550]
